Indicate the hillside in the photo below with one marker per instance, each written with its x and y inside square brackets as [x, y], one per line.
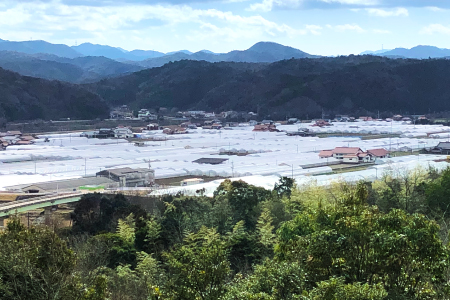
[28, 98]
[297, 87]
[52, 67]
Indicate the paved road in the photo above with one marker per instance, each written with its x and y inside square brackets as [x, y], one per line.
[20, 206]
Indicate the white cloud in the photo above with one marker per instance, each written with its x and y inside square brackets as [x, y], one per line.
[353, 2]
[435, 8]
[435, 28]
[346, 27]
[398, 12]
[381, 31]
[264, 6]
[314, 29]
[100, 24]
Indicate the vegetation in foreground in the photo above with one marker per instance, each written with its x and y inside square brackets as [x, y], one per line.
[386, 240]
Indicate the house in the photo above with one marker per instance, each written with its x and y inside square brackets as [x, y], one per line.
[292, 121]
[152, 126]
[351, 155]
[340, 152]
[267, 122]
[104, 133]
[145, 114]
[397, 117]
[128, 177]
[27, 138]
[121, 112]
[123, 132]
[321, 123]
[442, 148]
[265, 127]
[379, 153]
[354, 155]
[326, 153]
[252, 122]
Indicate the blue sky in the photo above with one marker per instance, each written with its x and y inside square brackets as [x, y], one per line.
[323, 27]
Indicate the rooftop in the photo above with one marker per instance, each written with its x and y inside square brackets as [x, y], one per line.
[346, 150]
[211, 161]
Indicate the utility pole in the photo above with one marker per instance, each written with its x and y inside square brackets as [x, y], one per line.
[85, 168]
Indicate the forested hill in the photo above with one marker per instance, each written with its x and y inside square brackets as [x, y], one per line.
[294, 87]
[28, 98]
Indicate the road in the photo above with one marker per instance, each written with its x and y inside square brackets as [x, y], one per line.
[20, 206]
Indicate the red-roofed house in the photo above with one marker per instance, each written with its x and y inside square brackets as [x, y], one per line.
[354, 155]
[340, 152]
[379, 153]
[326, 153]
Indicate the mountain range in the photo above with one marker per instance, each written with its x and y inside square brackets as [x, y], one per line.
[269, 78]
[294, 87]
[418, 52]
[76, 70]
[89, 62]
[303, 88]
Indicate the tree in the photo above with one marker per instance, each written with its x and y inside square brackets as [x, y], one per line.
[126, 229]
[361, 244]
[244, 199]
[199, 267]
[34, 264]
[272, 280]
[336, 289]
[96, 213]
[283, 188]
[438, 194]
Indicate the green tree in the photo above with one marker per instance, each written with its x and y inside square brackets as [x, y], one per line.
[244, 199]
[199, 267]
[284, 187]
[336, 289]
[272, 280]
[400, 251]
[34, 264]
[126, 229]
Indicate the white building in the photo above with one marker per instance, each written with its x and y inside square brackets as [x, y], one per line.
[123, 133]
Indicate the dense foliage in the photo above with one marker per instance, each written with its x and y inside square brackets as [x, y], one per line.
[381, 240]
[27, 98]
[294, 87]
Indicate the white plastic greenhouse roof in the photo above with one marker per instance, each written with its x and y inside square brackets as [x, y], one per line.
[274, 154]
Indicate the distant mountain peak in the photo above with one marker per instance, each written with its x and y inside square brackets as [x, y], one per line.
[179, 51]
[419, 52]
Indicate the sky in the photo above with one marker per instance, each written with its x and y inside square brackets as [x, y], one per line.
[321, 27]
